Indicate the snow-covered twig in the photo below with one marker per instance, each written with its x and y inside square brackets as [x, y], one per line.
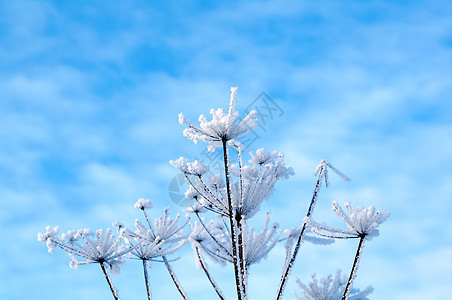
[146, 279]
[362, 223]
[233, 223]
[174, 278]
[206, 271]
[354, 268]
[321, 171]
[110, 283]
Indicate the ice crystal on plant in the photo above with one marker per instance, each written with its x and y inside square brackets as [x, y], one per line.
[257, 181]
[261, 156]
[330, 289]
[49, 237]
[146, 246]
[195, 168]
[196, 207]
[143, 204]
[222, 126]
[254, 184]
[322, 171]
[165, 229]
[294, 232]
[103, 248]
[215, 241]
[258, 245]
[209, 237]
[361, 221]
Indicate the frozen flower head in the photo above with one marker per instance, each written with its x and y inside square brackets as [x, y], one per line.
[165, 229]
[258, 245]
[143, 204]
[223, 127]
[211, 240]
[101, 248]
[191, 193]
[198, 234]
[262, 156]
[150, 251]
[119, 225]
[148, 245]
[362, 222]
[257, 181]
[196, 208]
[195, 168]
[328, 288]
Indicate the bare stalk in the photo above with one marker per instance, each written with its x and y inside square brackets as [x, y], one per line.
[238, 276]
[241, 253]
[146, 280]
[212, 281]
[240, 225]
[110, 283]
[354, 267]
[173, 276]
[291, 262]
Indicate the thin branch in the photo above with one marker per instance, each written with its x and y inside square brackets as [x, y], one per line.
[238, 277]
[173, 277]
[241, 246]
[110, 283]
[146, 280]
[354, 267]
[291, 262]
[204, 267]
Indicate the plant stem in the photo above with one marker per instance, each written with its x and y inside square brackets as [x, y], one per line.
[110, 283]
[241, 253]
[212, 281]
[354, 267]
[290, 264]
[238, 275]
[241, 225]
[173, 276]
[146, 280]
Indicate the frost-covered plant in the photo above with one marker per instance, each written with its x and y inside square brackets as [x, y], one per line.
[101, 248]
[330, 289]
[233, 196]
[164, 238]
[321, 172]
[222, 128]
[235, 199]
[361, 222]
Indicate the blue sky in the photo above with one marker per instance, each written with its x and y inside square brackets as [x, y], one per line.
[89, 97]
